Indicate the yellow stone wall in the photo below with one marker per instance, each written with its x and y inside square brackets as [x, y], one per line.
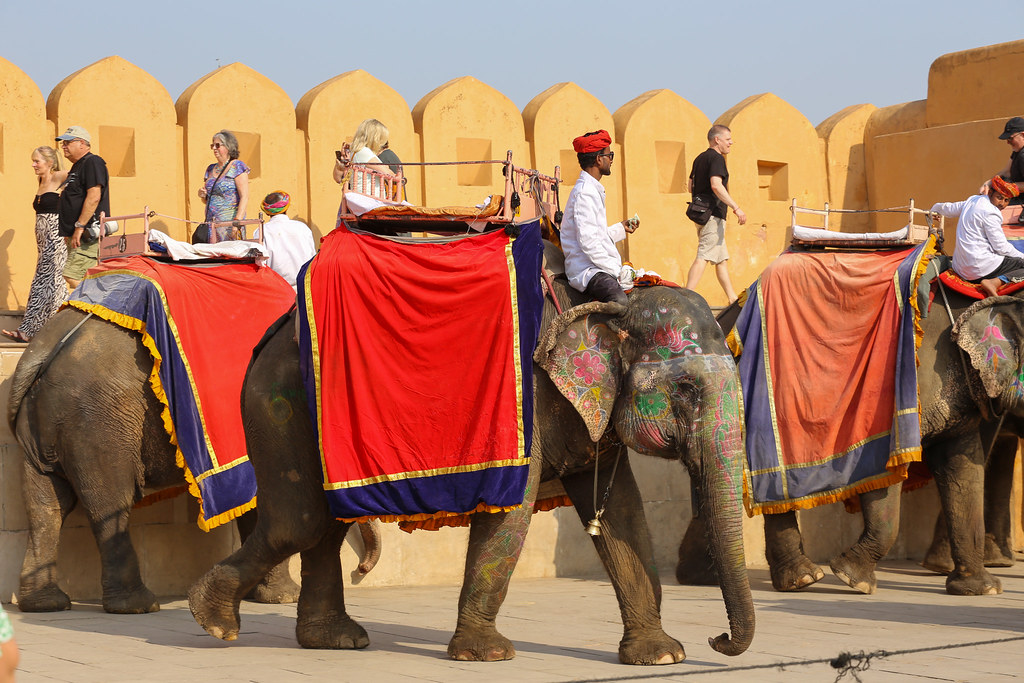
[23, 127]
[466, 120]
[861, 157]
[328, 115]
[262, 117]
[549, 133]
[661, 134]
[131, 119]
[845, 165]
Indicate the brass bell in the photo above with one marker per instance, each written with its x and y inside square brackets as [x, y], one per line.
[594, 528]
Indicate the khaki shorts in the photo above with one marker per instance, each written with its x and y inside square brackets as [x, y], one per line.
[80, 260]
[711, 242]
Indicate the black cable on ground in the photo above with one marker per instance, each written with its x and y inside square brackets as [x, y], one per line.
[845, 662]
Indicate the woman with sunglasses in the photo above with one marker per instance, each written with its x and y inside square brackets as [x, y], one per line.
[225, 187]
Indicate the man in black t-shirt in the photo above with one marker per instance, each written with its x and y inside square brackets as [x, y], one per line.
[85, 195]
[1013, 133]
[709, 178]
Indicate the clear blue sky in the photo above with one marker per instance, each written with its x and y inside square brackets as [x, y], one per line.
[819, 57]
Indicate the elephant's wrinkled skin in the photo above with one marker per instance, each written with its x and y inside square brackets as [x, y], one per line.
[958, 396]
[695, 391]
[999, 471]
[92, 433]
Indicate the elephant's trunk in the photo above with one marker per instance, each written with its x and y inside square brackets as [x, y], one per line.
[718, 439]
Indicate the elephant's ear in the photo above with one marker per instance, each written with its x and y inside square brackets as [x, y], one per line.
[580, 353]
[991, 332]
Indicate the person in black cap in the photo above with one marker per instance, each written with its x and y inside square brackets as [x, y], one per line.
[1013, 133]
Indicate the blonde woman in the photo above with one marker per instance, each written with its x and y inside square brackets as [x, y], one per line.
[48, 290]
[371, 139]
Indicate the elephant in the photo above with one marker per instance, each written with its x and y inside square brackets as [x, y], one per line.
[92, 432]
[999, 471]
[694, 418]
[970, 371]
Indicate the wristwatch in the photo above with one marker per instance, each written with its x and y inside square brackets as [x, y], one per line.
[79, 225]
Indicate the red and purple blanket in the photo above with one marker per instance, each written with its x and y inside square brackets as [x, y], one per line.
[829, 374]
[200, 324]
[418, 366]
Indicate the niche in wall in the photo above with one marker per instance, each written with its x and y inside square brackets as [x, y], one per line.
[249, 151]
[117, 147]
[570, 168]
[670, 158]
[773, 181]
[474, 149]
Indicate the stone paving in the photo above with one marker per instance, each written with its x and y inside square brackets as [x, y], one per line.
[564, 629]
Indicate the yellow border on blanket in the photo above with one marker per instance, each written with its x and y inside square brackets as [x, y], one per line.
[139, 326]
[771, 388]
[520, 460]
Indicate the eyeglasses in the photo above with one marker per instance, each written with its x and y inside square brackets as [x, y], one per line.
[216, 145]
[384, 147]
[610, 155]
[65, 143]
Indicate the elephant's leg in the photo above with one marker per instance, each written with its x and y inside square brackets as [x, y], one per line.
[49, 499]
[322, 620]
[214, 598]
[998, 490]
[958, 467]
[123, 589]
[626, 551]
[790, 568]
[277, 586]
[495, 542]
[695, 566]
[939, 557]
[881, 511]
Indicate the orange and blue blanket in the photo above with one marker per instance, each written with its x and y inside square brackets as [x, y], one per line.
[200, 324]
[417, 358]
[828, 345]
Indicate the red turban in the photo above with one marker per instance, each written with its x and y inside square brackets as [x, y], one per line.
[1008, 190]
[592, 142]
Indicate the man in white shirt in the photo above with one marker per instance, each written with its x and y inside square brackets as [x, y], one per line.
[289, 242]
[982, 253]
[592, 263]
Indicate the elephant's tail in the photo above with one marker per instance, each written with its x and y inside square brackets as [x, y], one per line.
[37, 357]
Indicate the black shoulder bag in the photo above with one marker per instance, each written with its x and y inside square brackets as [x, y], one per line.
[699, 210]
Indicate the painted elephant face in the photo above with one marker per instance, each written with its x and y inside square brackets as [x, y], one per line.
[991, 332]
[654, 380]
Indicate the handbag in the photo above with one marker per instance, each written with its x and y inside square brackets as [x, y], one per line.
[699, 210]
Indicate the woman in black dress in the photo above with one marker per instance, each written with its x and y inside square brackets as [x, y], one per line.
[48, 290]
